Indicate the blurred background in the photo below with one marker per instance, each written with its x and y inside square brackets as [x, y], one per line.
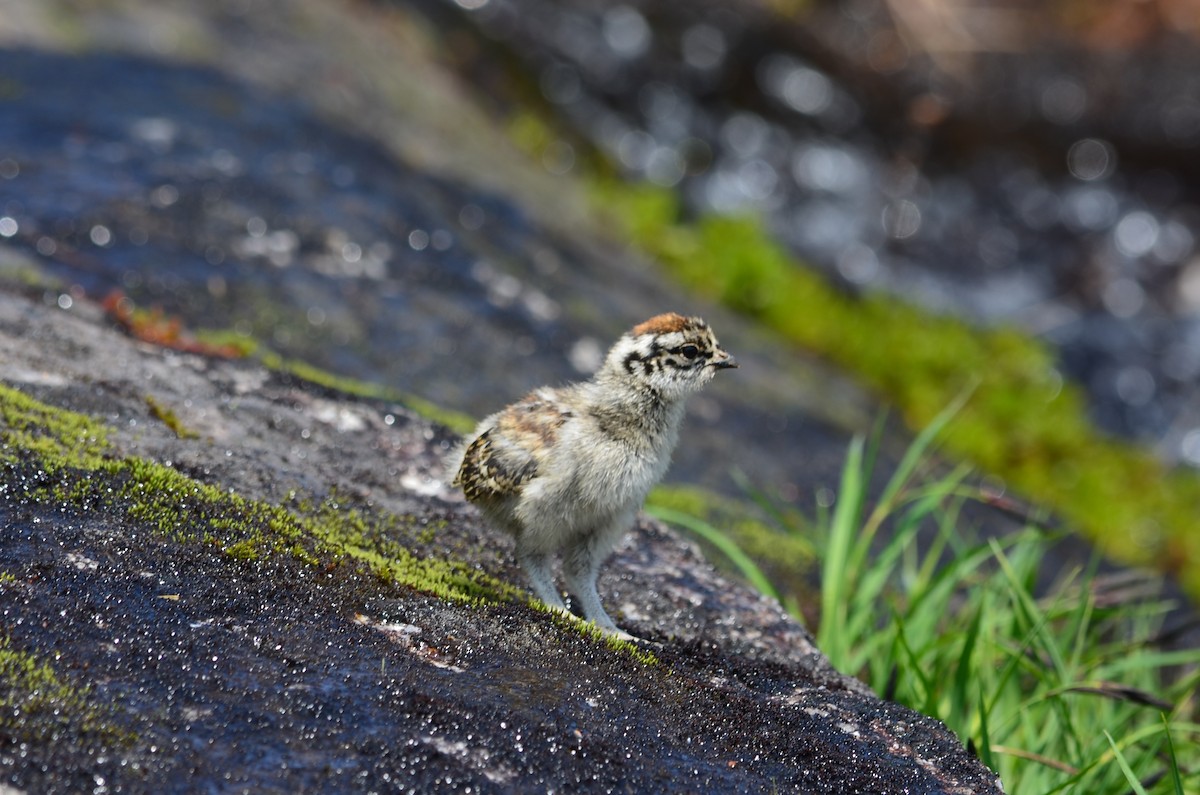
[880, 204]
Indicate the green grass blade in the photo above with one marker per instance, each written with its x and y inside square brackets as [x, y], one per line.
[985, 735]
[917, 451]
[836, 574]
[1038, 618]
[1176, 780]
[965, 672]
[747, 567]
[1145, 660]
[1129, 776]
[916, 670]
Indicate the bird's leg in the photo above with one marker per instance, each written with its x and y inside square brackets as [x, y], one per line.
[541, 578]
[581, 565]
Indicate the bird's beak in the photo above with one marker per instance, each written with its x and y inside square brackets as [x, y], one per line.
[723, 361]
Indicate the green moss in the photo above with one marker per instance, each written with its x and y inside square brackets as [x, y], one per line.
[456, 421]
[618, 644]
[64, 458]
[430, 530]
[629, 648]
[156, 327]
[374, 541]
[53, 436]
[245, 549]
[589, 630]
[1022, 422]
[23, 272]
[39, 706]
[168, 418]
[243, 344]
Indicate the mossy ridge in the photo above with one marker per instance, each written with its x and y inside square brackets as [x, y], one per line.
[38, 706]
[375, 539]
[586, 628]
[48, 433]
[1022, 423]
[61, 458]
[304, 371]
[158, 328]
[454, 420]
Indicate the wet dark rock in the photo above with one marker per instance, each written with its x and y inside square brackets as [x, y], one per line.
[272, 674]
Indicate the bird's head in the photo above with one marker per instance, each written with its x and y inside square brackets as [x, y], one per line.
[669, 354]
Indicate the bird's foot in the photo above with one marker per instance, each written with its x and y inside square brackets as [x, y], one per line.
[620, 634]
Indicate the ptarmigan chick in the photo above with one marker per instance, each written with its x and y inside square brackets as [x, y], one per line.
[567, 469]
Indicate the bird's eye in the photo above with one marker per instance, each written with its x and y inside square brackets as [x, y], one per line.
[690, 351]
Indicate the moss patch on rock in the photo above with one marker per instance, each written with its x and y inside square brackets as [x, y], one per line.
[50, 435]
[170, 419]
[57, 457]
[454, 420]
[158, 328]
[39, 705]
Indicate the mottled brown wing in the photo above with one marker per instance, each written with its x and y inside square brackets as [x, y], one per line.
[503, 458]
[487, 475]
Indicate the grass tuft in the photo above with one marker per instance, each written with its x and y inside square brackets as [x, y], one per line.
[62, 459]
[1034, 672]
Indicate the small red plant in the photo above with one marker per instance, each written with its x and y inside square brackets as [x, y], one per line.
[158, 328]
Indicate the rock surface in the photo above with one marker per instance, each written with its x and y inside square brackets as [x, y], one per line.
[204, 664]
[344, 198]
